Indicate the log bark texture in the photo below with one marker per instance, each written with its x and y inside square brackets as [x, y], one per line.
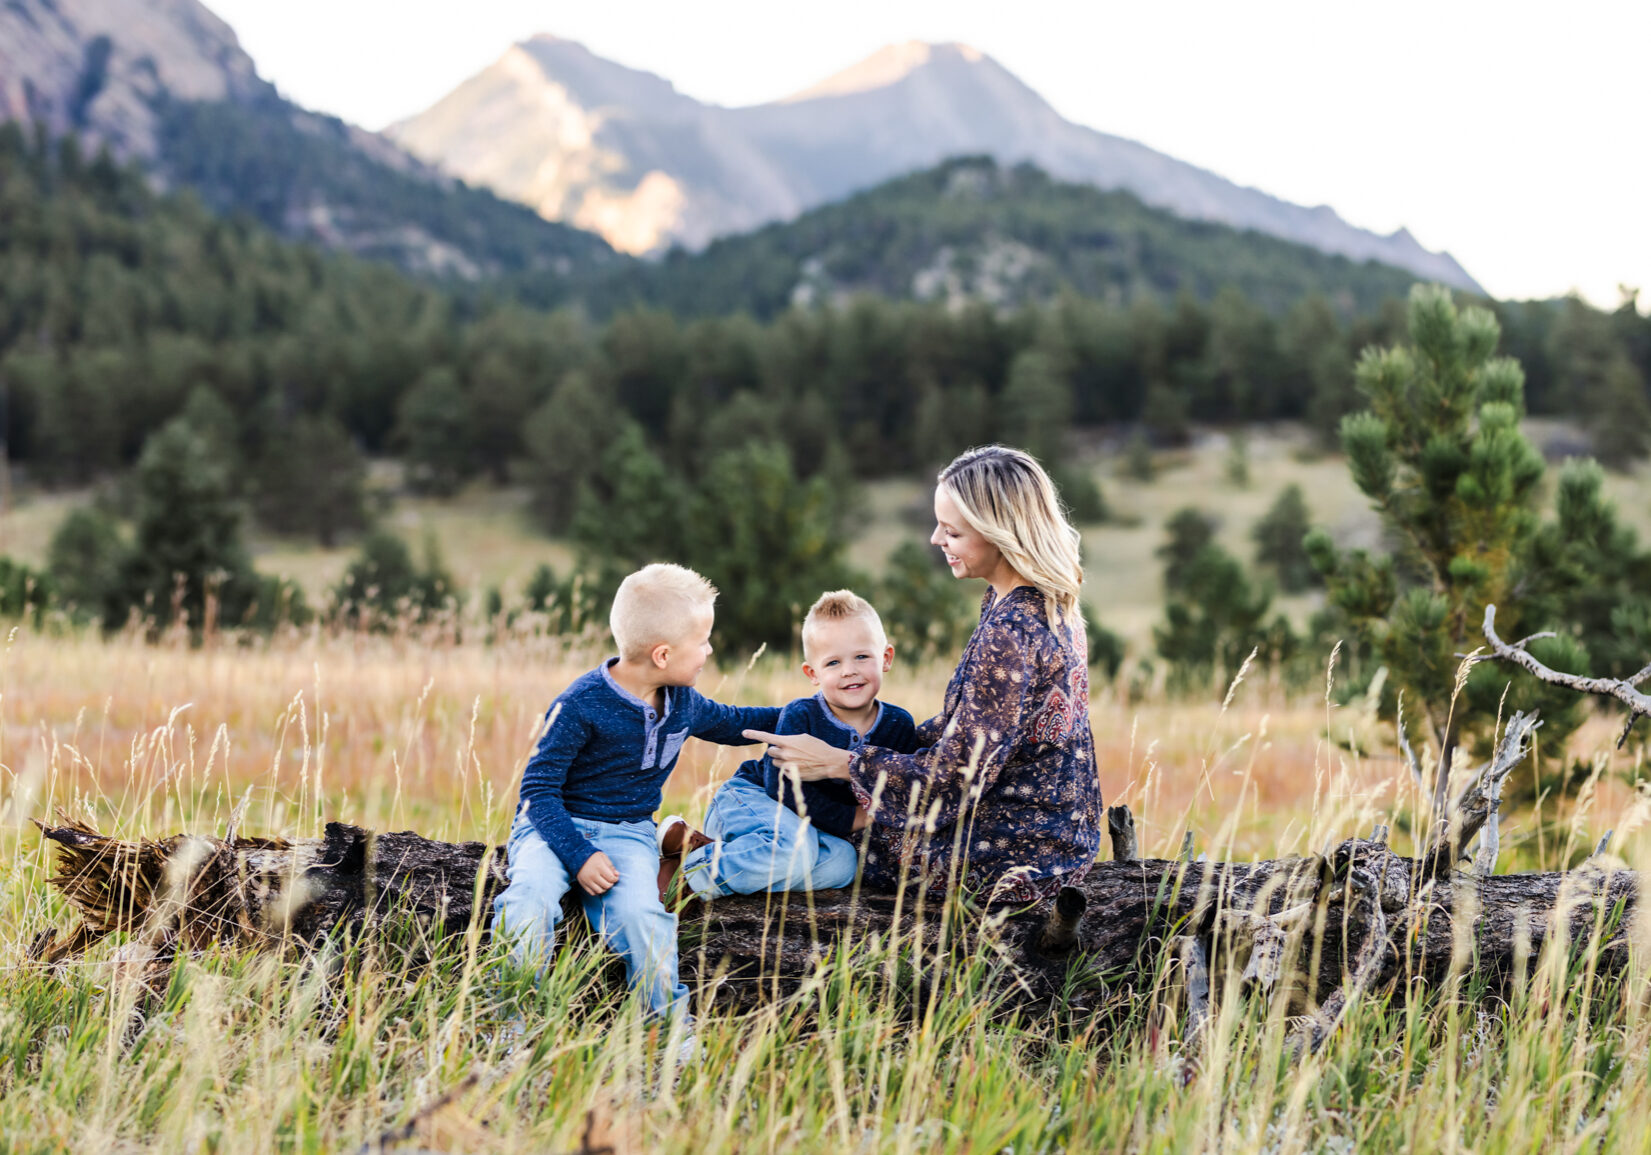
[1324, 928]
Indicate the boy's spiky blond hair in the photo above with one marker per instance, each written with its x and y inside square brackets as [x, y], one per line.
[657, 604]
[839, 606]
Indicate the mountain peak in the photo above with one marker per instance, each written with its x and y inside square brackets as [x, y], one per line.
[592, 80]
[888, 65]
[98, 67]
[620, 151]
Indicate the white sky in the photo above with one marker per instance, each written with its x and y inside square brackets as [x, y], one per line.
[1513, 134]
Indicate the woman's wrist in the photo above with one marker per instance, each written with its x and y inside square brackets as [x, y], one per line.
[840, 767]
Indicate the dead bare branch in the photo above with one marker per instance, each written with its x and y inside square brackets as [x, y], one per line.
[1622, 689]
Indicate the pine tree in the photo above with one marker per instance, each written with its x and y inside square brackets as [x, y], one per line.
[924, 608]
[769, 540]
[1620, 416]
[187, 539]
[86, 560]
[1215, 617]
[1280, 538]
[566, 439]
[433, 427]
[1440, 454]
[382, 583]
[1036, 406]
[1587, 572]
[1187, 532]
[312, 480]
[629, 512]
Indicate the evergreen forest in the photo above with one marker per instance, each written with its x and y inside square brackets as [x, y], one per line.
[701, 408]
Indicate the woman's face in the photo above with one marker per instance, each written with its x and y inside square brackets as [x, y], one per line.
[968, 554]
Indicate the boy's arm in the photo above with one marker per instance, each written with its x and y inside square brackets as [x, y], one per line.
[542, 782]
[715, 722]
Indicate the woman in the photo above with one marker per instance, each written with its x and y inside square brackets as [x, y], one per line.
[1004, 799]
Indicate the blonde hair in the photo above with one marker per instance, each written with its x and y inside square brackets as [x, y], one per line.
[1005, 495]
[656, 605]
[839, 606]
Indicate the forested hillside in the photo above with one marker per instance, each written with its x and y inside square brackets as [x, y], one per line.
[118, 302]
[124, 313]
[971, 229]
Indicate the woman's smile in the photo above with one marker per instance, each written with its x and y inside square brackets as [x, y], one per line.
[967, 552]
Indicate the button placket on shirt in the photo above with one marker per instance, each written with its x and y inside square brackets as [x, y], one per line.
[652, 727]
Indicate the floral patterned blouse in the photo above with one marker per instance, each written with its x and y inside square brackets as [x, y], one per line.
[1004, 799]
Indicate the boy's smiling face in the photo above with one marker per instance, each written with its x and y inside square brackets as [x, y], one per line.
[847, 659]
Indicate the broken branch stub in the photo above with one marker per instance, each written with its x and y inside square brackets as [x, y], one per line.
[1120, 827]
[1479, 800]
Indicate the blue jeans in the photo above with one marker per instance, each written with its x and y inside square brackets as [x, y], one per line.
[629, 916]
[764, 845]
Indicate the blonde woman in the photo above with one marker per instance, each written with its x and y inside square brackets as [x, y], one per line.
[1004, 798]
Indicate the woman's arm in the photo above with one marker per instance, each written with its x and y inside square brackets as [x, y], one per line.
[935, 785]
[811, 758]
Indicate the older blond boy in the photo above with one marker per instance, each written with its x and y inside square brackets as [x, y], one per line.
[762, 835]
[585, 815]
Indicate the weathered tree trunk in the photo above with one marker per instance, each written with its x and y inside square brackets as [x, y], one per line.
[1321, 927]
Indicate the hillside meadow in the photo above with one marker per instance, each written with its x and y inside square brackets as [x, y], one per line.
[326, 1052]
[486, 536]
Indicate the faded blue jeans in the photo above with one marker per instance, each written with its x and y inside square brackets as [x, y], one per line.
[629, 917]
[763, 845]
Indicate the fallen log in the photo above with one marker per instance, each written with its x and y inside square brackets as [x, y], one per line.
[1360, 910]
[1326, 929]
[1321, 931]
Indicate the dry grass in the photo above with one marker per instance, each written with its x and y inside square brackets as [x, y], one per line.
[320, 1055]
[401, 733]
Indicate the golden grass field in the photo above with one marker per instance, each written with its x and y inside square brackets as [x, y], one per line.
[310, 1055]
[272, 1055]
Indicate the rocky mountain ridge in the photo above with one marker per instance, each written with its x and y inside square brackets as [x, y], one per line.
[165, 83]
[620, 151]
[98, 67]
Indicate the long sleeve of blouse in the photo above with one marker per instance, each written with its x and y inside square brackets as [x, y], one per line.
[971, 744]
[1004, 796]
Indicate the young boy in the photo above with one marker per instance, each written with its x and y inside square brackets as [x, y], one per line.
[762, 836]
[589, 792]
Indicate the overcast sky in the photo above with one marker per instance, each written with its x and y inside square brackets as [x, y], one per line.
[1515, 135]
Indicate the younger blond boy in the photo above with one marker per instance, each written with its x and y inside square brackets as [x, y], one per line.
[763, 836]
[585, 815]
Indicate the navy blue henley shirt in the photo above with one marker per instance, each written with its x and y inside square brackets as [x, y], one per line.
[607, 753]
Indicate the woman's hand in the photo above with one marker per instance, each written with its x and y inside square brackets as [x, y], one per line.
[803, 754]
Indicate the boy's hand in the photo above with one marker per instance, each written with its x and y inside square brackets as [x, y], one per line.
[598, 874]
[861, 818]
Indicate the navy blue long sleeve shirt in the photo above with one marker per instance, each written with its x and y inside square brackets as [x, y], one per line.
[606, 754]
[830, 804]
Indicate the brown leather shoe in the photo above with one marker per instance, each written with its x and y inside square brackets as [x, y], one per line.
[677, 838]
